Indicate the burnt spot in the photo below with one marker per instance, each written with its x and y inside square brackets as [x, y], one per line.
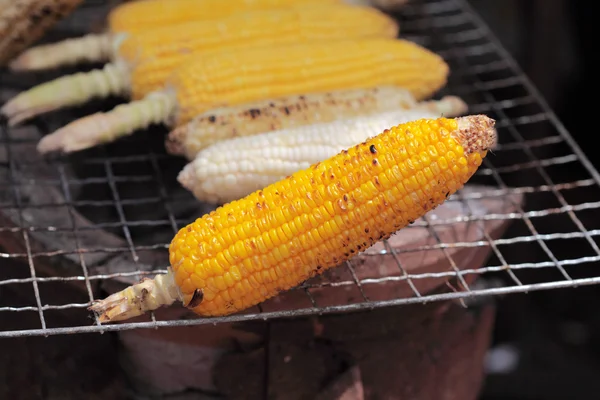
[376, 179]
[254, 112]
[212, 119]
[344, 151]
[197, 298]
[189, 229]
[260, 193]
[375, 162]
[145, 293]
[319, 267]
[372, 149]
[271, 104]
[286, 110]
[46, 11]
[410, 222]
[259, 206]
[345, 197]
[366, 230]
[352, 251]
[35, 18]
[447, 194]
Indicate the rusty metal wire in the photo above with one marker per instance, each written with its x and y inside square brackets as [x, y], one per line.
[107, 215]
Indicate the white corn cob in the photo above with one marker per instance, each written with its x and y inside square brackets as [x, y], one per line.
[231, 169]
[284, 112]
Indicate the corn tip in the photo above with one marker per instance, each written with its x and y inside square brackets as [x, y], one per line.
[476, 133]
[17, 111]
[78, 135]
[21, 63]
[112, 308]
[187, 176]
[174, 140]
[135, 300]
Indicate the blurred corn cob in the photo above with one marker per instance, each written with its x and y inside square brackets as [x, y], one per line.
[274, 239]
[23, 22]
[266, 115]
[386, 5]
[226, 79]
[146, 15]
[145, 61]
[138, 17]
[231, 169]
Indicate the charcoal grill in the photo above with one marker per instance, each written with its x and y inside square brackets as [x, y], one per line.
[90, 223]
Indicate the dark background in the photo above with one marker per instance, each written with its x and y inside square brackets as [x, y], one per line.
[546, 344]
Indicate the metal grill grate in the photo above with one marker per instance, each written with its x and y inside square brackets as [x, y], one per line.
[103, 218]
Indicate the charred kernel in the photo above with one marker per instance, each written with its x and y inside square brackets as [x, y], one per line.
[197, 298]
[212, 119]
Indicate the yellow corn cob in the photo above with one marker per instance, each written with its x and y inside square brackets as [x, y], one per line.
[226, 79]
[251, 249]
[22, 22]
[262, 73]
[148, 14]
[231, 169]
[260, 116]
[140, 17]
[146, 60]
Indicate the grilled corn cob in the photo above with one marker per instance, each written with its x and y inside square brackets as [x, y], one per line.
[251, 249]
[231, 169]
[285, 112]
[228, 78]
[22, 22]
[227, 122]
[146, 60]
[140, 17]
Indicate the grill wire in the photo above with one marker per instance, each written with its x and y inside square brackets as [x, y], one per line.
[132, 205]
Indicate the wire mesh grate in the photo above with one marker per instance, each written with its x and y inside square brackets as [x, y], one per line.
[74, 228]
